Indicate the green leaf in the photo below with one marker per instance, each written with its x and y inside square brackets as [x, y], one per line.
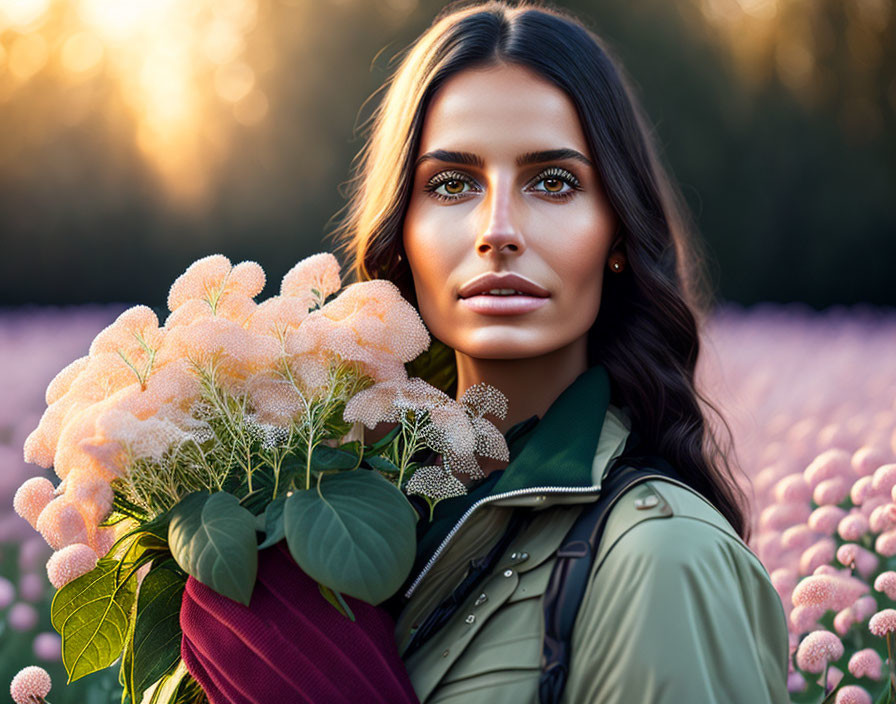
[382, 464]
[92, 615]
[167, 689]
[335, 598]
[212, 538]
[355, 533]
[273, 523]
[326, 458]
[157, 632]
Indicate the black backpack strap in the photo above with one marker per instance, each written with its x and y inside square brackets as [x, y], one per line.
[572, 569]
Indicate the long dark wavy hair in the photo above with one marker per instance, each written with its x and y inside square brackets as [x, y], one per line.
[646, 332]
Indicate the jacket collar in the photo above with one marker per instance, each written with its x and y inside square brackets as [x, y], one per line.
[572, 444]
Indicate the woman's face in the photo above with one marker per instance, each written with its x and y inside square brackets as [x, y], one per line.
[484, 200]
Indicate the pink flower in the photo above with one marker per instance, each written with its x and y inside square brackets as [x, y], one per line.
[7, 592]
[865, 663]
[864, 607]
[835, 674]
[830, 463]
[852, 694]
[831, 491]
[805, 618]
[853, 526]
[30, 685]
[224, 290]
[825, 519]
[846, 554]
[32, 497]
[884, 479]
[860, 490]
[781, 516]
[828, 591]
[881, 518]
[22, 616]
[886, 583]
[816, 649]
[883, 622]
[798, 537]
[819, 554]
[866, 459]
[843, 620]
[792, 489]
[795, 682]
[885, 544]
[47, 647]
[70, 563]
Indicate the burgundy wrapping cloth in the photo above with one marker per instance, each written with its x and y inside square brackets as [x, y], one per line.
[290, 644]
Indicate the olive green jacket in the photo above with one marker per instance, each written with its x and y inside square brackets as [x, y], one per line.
[678, 609]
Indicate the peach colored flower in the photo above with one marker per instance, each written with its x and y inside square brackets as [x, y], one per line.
[227, 291]
[62, 382]
[368, 323]
[32, 497]
[91, 494]
[852, 694]
[886, 582]
[831, 491]
[883, 622]
[386, 401]
[103, 539]
[69, 563]
[62, 524]
[30, 685]
[853, 526]
[825, 519]
[865, 663]
[319, 271]
[280, 315]
[830, 463]
[816, 649]
[274, 400]
[134, 336]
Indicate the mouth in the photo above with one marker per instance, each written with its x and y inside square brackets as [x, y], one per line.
[513, 303]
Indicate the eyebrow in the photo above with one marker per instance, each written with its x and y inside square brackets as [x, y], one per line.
[526, 159]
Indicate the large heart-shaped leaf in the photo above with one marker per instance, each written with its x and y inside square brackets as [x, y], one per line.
[355, 534]
[273, 523]
[157, 632]
[212, 538]
[326, 458]
[92, 615]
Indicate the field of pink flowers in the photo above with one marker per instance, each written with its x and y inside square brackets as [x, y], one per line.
[810, 397]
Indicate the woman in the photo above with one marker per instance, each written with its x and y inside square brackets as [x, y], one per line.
[509, 187]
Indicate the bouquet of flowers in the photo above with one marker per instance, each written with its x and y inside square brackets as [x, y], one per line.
[185, 449]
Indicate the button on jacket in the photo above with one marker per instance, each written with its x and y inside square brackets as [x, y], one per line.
[677, 609]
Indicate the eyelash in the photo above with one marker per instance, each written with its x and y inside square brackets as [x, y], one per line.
[550, 172]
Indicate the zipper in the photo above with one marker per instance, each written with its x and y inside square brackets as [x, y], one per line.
[520, 492]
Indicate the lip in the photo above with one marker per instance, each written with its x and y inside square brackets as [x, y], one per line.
[503, 305]
[490, 279]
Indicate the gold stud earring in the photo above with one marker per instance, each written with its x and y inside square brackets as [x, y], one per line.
[616, 262]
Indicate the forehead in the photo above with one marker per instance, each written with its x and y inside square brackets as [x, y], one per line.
[499, 109]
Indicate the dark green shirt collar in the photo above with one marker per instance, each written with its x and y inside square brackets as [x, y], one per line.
[561, 447]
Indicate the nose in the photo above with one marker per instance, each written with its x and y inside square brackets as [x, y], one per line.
[501, 231]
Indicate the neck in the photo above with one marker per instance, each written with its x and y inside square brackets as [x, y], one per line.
[531, 384]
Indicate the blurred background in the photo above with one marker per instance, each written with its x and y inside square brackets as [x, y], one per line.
[137, 136]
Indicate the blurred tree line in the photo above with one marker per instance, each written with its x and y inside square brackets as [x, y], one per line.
[775, 117]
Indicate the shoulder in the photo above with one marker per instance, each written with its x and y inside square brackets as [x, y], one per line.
[677, 597]
[665, 521]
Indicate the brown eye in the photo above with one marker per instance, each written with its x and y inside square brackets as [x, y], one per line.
[553, 185]
[454, 187]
